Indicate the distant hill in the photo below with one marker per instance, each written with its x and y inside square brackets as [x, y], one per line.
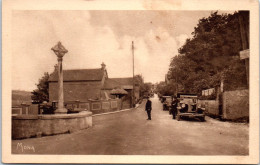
[19, 97]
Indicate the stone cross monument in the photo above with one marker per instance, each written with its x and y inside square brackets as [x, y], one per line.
[60, 51]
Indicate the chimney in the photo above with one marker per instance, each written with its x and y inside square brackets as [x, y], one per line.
[103, 66]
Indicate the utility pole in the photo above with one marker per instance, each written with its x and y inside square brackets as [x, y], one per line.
[133, 95]
[176, 84]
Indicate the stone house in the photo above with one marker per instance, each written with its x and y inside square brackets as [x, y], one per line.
[124, 83]
[86, 84]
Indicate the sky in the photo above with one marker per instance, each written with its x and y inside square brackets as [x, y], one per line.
[96, 36]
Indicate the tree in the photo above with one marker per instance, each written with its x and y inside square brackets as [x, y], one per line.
[211, 54]
[164, 89]
[139, 79]
[160, 87]
[41, 93]
[144, 88]
[147, 87]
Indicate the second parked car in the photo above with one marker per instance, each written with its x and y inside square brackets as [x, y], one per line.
[167, 100]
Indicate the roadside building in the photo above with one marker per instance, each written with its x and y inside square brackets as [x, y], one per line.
[90, 84]
[125, 84]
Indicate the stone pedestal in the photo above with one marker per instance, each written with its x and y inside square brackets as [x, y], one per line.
[26, 126]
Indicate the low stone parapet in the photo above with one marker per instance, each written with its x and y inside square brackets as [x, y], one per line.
[211, 107]
[97, 106]
[26, 126]
[236, 105]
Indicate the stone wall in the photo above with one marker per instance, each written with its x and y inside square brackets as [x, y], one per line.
[105, 106]
[26, 126]
[236, 104]
[33, 109]
[126, 104]
[17, 110]
[211, 107]
[25, 109]
[97, 106]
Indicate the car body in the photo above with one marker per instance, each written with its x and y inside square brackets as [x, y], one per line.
[166, 100]
[188, 107]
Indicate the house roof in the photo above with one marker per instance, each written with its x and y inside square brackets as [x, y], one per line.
[79, 75]
[118, 91]
[111, 84]
[125, 83]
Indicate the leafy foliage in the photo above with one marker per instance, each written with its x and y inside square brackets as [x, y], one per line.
[145, 88]
[234, 76]
[164, 89]
[210, 55]
[41, 93]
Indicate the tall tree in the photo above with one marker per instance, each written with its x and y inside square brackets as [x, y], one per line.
[41, 93]
[211, 54]
[164, 89]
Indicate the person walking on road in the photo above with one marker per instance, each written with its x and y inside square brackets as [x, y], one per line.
[148, 108]
[174, 107]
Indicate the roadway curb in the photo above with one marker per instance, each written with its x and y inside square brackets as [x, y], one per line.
[115, 111]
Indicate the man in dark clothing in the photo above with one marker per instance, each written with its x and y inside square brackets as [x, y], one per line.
[148, 108]
[174, 107]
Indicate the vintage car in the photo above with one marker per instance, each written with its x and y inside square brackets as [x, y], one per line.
[188, 107]
[167, 100]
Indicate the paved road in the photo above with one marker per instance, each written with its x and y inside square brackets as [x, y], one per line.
[129, 133]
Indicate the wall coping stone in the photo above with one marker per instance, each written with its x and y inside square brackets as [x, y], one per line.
[52, 117]
[25, 117]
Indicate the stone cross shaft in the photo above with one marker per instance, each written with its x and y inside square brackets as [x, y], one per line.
[60, 51]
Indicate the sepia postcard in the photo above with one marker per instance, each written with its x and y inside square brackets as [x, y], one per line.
[130, 82]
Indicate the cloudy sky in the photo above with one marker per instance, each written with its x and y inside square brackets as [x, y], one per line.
[93, 37]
